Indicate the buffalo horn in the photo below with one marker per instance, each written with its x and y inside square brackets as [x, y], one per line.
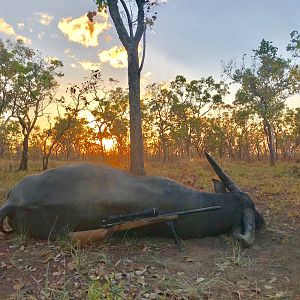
[3, 214]
[232, 187]
[247, 239]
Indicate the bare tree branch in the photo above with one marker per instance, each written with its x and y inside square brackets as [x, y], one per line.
[121, 30]
[128, 18]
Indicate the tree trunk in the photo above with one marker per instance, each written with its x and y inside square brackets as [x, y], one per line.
[101, 148]
[24, 159]
[271, 147]
[136, 137]
[164, 146]
[269, 130]
[258, 151]
[2, 150]
[45, 162]
[68, 154]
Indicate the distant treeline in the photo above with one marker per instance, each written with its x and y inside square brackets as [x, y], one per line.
[172, 129]
[181, 119]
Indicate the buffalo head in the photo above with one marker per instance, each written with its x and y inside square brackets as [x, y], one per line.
[252, 220]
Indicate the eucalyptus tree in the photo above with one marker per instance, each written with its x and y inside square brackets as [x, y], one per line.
[9, 138]
[30, 88]
[193, 100]
[8, 70]
[9, 67]
[119, 122]
[294, 45]
[159, 101]
[76, 102]
[110, 116]
[264, 87]
[289, 133]
[75, 141]
[131, 19]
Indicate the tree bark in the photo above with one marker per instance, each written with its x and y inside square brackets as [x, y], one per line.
[131, 41]
[136, 137]
[45, 162]
[164, 149]
[269, 131]
[187, 148]
[24, 159]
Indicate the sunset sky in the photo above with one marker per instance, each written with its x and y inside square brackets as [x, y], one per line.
[189, 38]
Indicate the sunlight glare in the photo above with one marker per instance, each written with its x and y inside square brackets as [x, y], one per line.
[108, 144]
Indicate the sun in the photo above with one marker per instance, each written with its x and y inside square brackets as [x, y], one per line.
[108, 144]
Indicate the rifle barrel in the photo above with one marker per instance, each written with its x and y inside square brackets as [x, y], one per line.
[192, 211]
[178, 213]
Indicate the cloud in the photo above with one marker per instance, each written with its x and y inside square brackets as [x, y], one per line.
[54, 36]
[146, 79]
[9, 30]
[73, 66]
[41, 35]
[68, 53]
[115, 56]
[6, 28]
[44, 18]
[81, 30]
[89, 66]
[108, 38]
[21, 26]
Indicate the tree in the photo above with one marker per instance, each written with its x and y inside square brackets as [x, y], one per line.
[130, 31]
[77, 102]
[111, 109]
[159, 101]
[193, 100]
[32, 88]
[118, 125]
[264, 87]
[9, 67]
[288, 131]
[75, 139]
[294, 45]
[9, 138]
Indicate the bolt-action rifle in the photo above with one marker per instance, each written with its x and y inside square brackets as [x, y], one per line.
[118, 223]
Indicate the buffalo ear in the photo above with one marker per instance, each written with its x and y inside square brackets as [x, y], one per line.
[219, 186]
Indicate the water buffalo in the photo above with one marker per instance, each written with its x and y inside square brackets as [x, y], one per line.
[78, 196]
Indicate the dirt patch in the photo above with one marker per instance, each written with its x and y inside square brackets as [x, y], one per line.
[152, 268]
[212, 268]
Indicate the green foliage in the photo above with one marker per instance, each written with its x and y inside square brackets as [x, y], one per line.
[294, 45]
[192, 101]
[111, 117]
[101, 4]
[28, 81]
[159, 101]
[264, 87]
[28, 87]
[9, 137]
[266, 84]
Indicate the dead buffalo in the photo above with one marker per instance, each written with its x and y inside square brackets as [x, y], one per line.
[79, 196]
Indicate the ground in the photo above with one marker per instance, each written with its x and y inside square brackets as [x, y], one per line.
[152, 268]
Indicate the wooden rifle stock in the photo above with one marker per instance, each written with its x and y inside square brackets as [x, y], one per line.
[102, 234]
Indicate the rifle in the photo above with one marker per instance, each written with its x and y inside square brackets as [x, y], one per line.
[120, 223]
